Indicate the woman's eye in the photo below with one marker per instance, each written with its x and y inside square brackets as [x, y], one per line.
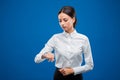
[65, 20]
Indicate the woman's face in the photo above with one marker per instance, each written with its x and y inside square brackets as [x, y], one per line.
[66, 22]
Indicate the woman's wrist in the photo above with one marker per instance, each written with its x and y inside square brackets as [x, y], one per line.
[72, 71]
[43, 56]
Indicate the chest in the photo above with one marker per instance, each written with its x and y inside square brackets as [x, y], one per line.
[69, 45]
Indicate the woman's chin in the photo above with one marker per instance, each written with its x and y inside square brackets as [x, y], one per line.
[65, 29]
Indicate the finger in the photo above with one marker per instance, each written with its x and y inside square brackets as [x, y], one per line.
[62, 71]
[50, 59]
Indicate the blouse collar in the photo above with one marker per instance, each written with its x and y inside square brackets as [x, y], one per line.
[70, 34]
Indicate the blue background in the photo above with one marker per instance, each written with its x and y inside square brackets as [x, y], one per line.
[26, 25]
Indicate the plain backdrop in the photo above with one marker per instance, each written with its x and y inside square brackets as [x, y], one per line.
[26, 25]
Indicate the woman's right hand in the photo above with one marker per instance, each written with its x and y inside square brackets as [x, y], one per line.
[49, 56]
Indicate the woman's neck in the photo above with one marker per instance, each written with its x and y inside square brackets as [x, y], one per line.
[70, 31]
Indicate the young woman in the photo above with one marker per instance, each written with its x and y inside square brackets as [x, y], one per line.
[68, 48]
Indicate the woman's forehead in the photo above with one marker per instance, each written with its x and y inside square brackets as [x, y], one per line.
[63, 15]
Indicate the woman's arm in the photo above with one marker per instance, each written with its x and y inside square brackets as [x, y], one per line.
[49, 56]
[45, 53]
[88, 59]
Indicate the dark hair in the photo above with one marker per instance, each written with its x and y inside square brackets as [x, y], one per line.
[70, 11]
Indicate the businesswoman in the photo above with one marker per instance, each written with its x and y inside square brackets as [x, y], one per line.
[69, 47]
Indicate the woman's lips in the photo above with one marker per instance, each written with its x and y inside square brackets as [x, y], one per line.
[63, 26]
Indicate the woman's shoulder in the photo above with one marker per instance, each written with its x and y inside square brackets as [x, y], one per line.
[83, 36]
[57, 34]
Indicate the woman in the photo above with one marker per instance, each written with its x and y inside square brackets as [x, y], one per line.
[68, 48]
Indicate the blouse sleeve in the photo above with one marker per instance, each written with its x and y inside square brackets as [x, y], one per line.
[49, 46]
[88, 59]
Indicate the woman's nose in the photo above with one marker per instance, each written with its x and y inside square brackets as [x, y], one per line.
[62, 23]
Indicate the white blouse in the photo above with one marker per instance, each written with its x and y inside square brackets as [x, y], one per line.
[68, 50]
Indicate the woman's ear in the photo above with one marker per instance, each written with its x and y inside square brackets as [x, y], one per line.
[73, 19]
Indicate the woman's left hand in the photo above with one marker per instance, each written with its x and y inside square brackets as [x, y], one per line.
[66, 71]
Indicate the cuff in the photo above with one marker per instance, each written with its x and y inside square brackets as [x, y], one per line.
[38, 58]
